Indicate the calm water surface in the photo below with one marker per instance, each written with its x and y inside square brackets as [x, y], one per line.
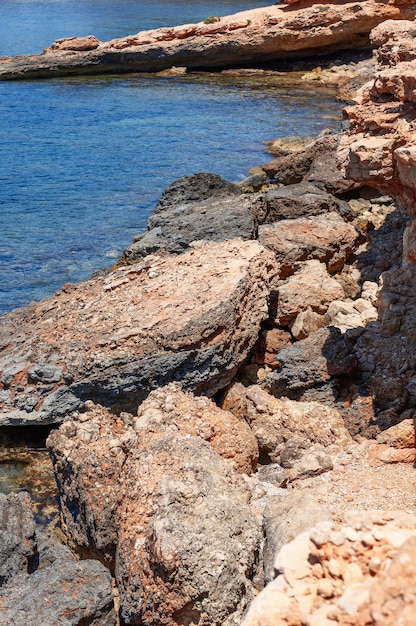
[84, 160]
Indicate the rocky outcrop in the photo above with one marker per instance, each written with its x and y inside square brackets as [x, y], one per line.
[200, 206]
[191, 318]
[161, 508]
[378, 151]
[257, 36]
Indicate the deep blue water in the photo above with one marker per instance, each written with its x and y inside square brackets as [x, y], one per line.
[82, 161]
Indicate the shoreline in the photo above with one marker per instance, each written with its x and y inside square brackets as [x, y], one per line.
[272, 34]
[245, 374]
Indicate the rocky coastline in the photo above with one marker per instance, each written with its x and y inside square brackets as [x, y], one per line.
[255, 37]
[232, 404]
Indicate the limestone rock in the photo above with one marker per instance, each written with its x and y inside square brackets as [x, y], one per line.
[284, 519]
[310, 287]
[326, 238]
[172, 410]
[18, 546]
[164, 511]
[401, 435]
[360, 571]
[268, 33]
[191, 318]
[274, 422]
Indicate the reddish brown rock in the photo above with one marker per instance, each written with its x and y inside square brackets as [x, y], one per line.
[401, 435]
[170, 409]
[163, 510]
[326, 238]
[275, 422]
[79, 44]
[310, 287]
[192, 318]
[270, 343]
[268, 34]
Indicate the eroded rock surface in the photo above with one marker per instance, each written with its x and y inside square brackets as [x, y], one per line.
[43, 580]
[162, 509]
[276, 422]
[18, 547]
[269, 34]
[192, 318]
[360, 571]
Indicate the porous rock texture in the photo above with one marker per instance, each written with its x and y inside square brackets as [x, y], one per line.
[275, 422]
[377, 151]
[326, 238]
[199, 206]
[360, 571]
[192, 318]
[161, 508]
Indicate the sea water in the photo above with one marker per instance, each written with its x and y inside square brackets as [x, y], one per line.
[83, 160]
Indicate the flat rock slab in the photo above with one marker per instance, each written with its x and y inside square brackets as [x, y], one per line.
[191, 318]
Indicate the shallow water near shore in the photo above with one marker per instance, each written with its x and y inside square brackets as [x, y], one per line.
[84, 161]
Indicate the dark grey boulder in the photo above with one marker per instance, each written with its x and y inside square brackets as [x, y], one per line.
[196, 188]
[173, 229]
[18, 549]
[312, 363]
[301, 200]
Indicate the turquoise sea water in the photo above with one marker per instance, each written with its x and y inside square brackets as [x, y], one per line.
[83, 160]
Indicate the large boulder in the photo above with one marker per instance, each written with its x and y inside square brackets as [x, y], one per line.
[165, 512]
[300, 200]
[172, 230]
[62, 592]
[200, 206]
[312, 364]
[43, 579]
[359, 571]
[276, 422]
[326, 238]
[191, 318]
[170, 409]
[310, 287]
